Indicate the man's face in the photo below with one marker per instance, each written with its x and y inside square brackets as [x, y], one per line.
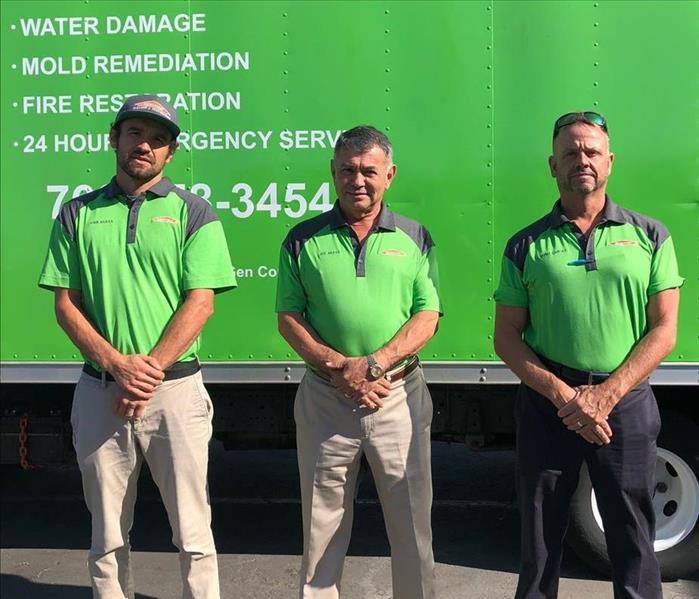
[143, 148]
[361, 178]
[581, 161]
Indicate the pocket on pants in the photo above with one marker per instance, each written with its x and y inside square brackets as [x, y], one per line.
[74, 422]
[202, 395]
[75, 411]
[429, 404]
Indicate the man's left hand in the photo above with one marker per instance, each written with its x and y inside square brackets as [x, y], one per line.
[591, 405]
[128, 407]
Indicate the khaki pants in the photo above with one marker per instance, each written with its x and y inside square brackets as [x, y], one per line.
[332, 435]
[172, 437]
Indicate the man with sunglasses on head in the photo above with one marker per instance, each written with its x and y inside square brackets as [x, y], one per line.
[134, 267]
[586, 309]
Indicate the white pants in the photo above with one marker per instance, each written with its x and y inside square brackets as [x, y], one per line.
[172, 437]
[332, 434]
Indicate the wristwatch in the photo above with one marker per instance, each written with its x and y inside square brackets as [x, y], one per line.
[375, 369]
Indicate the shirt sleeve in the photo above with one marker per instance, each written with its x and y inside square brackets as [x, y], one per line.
[61, 267]
[511, 290]
[291, 296]
[663, 269]
[426, 285]
[206, 263]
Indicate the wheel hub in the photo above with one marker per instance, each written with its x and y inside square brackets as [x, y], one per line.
[675, 501]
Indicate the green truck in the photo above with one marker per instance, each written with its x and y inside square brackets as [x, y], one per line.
[467, 91]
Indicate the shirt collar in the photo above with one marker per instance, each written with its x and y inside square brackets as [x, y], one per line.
[160, 189]
[386, 220]
[112, 190]
[610, 213]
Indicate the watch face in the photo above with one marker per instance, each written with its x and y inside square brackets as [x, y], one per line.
[376, 371]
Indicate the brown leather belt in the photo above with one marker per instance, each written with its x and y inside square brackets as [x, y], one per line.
[404, 371]
[391, 376]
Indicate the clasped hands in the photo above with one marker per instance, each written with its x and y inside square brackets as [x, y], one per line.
[349, 377]
[586, 413]
[138, 376]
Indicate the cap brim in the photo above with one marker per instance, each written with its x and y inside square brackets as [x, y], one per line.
[153, 116]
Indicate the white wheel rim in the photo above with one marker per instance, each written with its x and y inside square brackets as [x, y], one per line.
[676, 500]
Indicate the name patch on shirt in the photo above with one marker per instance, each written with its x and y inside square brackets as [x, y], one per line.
[393, 253]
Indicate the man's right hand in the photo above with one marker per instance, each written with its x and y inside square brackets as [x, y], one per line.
[138, 375]
[373, 394]
[598, 432]
[128, 407]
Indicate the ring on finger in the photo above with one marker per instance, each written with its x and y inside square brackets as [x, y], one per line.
[579, 424]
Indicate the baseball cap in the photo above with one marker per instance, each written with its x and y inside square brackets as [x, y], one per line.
[149, 107]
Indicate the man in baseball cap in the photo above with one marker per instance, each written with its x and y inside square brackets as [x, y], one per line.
[134, 267]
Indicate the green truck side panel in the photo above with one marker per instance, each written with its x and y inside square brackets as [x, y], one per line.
[467, 91]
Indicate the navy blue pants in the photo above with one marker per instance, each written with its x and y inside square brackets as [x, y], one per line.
[549, 457]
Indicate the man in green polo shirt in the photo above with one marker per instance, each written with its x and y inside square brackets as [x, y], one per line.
[357, 298]
[586, 309]
[134, 267]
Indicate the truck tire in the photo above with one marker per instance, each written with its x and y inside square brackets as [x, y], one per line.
[676, 503]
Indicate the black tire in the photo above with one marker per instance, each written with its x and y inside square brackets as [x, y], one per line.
[679, 443]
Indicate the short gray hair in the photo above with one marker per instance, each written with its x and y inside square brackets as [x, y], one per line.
[361, 139]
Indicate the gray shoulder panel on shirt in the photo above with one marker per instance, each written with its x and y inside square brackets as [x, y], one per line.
[654, 229]
[417, 232]
[68, 214]
[518, 245]
[199, 211]
[301, 233]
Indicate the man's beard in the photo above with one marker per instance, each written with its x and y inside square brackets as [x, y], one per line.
[578, 186]
[140, 173]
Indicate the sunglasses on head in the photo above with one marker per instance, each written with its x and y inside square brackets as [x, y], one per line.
[591, 118]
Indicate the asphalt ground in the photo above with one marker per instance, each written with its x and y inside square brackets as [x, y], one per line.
[45, 528]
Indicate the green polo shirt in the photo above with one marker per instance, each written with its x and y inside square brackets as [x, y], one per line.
[587, 295]
[357, 296]
[134, 260]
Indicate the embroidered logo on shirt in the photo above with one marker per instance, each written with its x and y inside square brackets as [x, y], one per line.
[100, 222]
[392, 253]
[164, 219]
[623, 242]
